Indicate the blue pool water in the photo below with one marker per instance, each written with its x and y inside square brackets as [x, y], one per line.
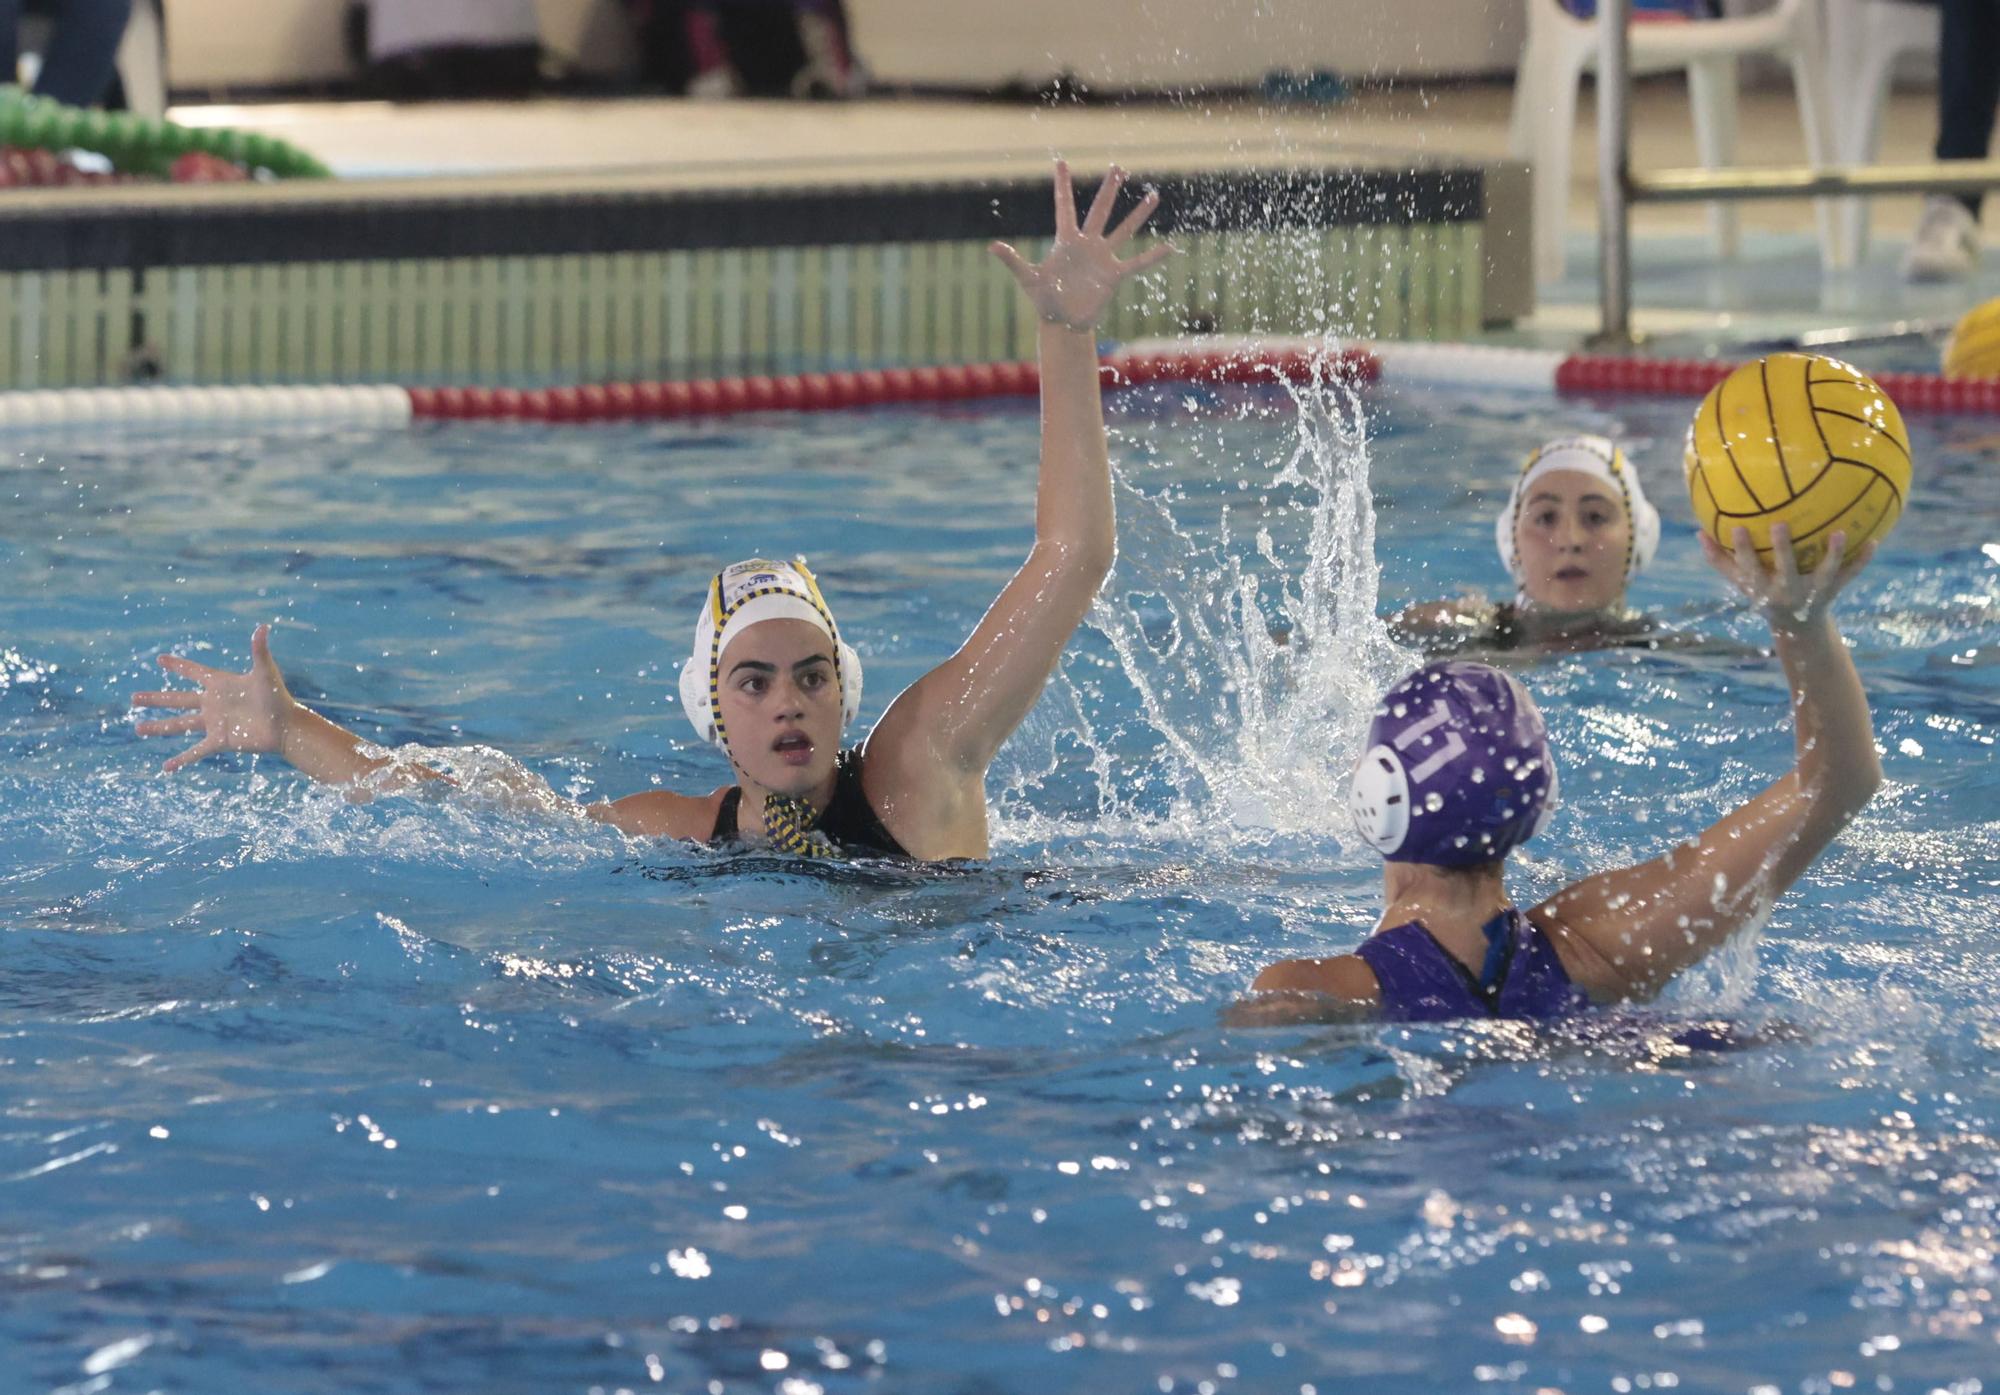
[305, 1096]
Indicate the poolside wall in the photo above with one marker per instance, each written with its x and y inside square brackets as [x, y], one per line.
[531, 280]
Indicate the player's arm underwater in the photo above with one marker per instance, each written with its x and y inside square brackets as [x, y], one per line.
[927, 756]
[1626, 932]
[1439, 624]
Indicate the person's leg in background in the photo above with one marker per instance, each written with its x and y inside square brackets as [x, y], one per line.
[10, 40]
[83, 51]
[1945, 245]
[1968, 82]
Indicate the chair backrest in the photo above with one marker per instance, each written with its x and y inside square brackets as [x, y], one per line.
[1643, 9]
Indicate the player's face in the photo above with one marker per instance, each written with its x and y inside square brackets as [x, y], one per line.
[1571, 537]
[780, 705]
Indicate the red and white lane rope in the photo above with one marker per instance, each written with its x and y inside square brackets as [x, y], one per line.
[1460, 366]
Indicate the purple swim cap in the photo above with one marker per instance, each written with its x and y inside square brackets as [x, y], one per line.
[1458, 770]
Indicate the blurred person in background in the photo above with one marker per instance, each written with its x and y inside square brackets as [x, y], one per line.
[1945, 245]
[80, 62]
[431, 49]
[753, 48]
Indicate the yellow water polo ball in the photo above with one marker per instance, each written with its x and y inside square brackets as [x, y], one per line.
[1798, 439]
[1973, 351]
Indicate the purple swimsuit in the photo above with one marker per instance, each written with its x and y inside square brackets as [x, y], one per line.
[1422, 982]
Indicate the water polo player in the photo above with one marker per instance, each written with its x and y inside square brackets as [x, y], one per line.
[1576, 528]
[1457, 772]
[770, 680]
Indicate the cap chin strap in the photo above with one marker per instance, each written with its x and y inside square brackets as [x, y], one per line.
[788, 823]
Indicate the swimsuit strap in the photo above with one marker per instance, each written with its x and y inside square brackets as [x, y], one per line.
[725, 816]
[848, 824]
[1502, 940]
[850, 820]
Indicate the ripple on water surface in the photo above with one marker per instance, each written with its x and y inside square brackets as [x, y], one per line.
[308, 1095]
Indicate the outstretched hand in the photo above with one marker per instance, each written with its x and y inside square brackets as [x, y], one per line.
[232, 711]
[1075, 282]
[1791, 601]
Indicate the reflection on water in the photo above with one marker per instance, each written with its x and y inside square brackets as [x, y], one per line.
[414, 1095]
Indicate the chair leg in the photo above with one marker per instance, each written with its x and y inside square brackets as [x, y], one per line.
[1553, 128]
[1816, 116]
[1712, 93]
[1860, 138]
[1527, 96]
[142, 60]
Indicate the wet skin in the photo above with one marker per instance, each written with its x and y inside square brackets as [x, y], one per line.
[780, 708]
[1571, 537]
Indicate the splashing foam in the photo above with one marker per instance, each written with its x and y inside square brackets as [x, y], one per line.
[1254, 676]
[259, 818]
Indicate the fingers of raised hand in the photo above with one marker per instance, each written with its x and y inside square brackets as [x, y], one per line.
[207, 747]
[1100, 206]
[1135, 220]
[1065, 200]
[1023, 270]
[1839, 566]
[166, 699]
[188, 668]
[171, 726]
[1784, 562]
[1147, 259]
[1745, 553]
[1856, 562]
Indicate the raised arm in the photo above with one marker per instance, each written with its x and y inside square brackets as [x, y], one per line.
[1625, 933]
[959, 714]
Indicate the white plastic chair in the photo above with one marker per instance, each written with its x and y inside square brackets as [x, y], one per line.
[142, 60]
[1865, 38]
[1561, 48]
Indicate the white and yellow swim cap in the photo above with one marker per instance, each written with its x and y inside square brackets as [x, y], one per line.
[1590, 455]
[742, 595]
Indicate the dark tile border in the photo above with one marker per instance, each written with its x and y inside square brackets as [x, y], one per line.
[583, 219]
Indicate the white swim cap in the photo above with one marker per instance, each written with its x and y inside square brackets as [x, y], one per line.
[1590, 455]
[742, 595]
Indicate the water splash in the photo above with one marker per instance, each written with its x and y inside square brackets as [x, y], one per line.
[1252, 652]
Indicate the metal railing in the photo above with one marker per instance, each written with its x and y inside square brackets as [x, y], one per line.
[1618, 188]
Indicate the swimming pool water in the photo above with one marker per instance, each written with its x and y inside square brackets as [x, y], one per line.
[307, 1096]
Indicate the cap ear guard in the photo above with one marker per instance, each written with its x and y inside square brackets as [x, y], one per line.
[1379, 800]
[1458, 769]
[1503, 536]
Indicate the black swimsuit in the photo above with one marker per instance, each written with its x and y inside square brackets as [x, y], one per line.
[1505, 630]
[847, 818]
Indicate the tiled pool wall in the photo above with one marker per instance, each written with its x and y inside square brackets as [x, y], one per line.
[535, 280]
